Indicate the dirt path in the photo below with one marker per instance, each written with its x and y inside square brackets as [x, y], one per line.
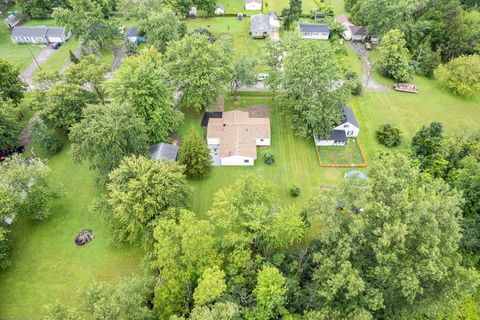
[117, 61]
[25, 137]
[29, 72]
[367, 79]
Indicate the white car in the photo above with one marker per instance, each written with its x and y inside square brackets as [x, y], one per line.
[262, 76]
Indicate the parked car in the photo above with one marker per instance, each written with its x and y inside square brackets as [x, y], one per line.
[56, 45]
[7, 153]
[262, 76]
[368, 46]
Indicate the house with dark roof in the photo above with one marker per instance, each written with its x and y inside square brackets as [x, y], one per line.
[347, 128]
[264, 25]
[134, 35]
[13, 19]
[358, 33]
[314, 31]
[39, 35]
[164, 151]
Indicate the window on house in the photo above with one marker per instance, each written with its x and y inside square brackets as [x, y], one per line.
[261, 140]
[246, 161]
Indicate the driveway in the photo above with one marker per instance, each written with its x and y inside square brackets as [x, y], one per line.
[367, 79]
[27, 74]
[117, 61]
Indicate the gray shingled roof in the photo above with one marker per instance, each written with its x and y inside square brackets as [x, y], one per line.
[337, 135]
[310, 27]
[259, 21]
[358, 30]
[38, 31]
[164, 151]
[350, 116]
[55, 31]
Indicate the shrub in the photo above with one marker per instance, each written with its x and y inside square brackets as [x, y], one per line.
[294, 191]
[46, 138]
[389, 135]
[461, 75]
[269, 157]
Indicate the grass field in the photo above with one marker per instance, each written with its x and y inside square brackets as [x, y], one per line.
[46, 264]
[348, 154]
[16, 54]
[238, 6]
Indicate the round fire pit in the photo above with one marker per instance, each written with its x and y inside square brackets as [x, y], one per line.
[84, 237]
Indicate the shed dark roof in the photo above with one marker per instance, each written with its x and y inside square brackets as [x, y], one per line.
[162, 151]
[358, 30]
[336, 135]
[208, 115]
[310, 27]
[132, 32]
[350, 116]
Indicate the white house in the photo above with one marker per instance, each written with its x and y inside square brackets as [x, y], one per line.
[219, 9]
[253, 5]
[39, 35]
[348, 128]
[314, 31]
[233, 138]
[263, 25]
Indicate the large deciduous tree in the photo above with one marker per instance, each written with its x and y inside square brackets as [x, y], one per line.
[243, 74]
[105, 135]
[89, 70]
[291, 14]
[273, 59]
[393, 58]
[200, 68]
[142, 83]
[11, 86]
[311, 99]
[392, 251]
[140, 190]
[9, 126]
[427, 146]
[461, 75]
[161, 28]
[270, 294]
[195, 156]
[40, 8]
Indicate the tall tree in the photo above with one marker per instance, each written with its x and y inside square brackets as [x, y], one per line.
[140, 9]
[427, 145]
[243, 74]
[40, 8]
[195, 156]
[89, 70]
[211, 286]
[161, 28]
[139, 191]
[292, 14]
[393, 58]
[9, 126]
[89, 20]
[105, 135]
[273, 59]
[313, 104]
[142, 83]
[206, 5]
[392, 252]
[61, 106]
[11, 86]
[200, 68]
[270, 293]
[461, 75]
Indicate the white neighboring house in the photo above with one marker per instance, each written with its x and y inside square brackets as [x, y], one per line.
[263, 25]
[314, 31]
[219, 9]
[39, 35]
[348, 128]
[253, 5]
[235, 136]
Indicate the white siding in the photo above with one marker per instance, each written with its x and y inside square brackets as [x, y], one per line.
[237, 161]
[213, 141]
[315, 35]
[263, 142]
[326, 143]
[253, 6]
[55, 39]
[350, 130]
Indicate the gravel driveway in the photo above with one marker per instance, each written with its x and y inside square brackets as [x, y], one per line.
[27, 74]
[367, 80]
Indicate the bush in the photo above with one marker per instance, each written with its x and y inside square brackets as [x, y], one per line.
[269, 157]
[294, 191]
[389, 135]
[46, 138]
[461, 75]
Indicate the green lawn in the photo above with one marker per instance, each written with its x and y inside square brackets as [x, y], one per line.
[61, 56]
[46, 264]
[16, 54]
[348, 154]
[295, 161]
[237, 6]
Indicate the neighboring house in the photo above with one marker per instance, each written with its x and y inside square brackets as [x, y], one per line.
[263, 25]
[193, 12]
[358, 33]
[164, 151]
[233, 138]
[39, 35]
[348, 128]
[219, 9]
[13, 19]
[253, 5]
[314, 31]
[134, 36]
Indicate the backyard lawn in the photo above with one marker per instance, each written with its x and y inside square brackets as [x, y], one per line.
[238, 6]
[345, 155]
[46, 264]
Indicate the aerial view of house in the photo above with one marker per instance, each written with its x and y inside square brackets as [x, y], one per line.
[233, 138]
[239, 160]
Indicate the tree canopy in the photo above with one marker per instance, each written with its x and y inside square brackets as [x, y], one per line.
[461, 75]
[195, 156]
[393, 58]
[9, 126]
[161, 28]
[11, 86]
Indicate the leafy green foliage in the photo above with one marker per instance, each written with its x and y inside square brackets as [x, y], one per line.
[4, 246]
[292, 14]
[139, 191]
[61, 106]
[11, 86]
[195, 156]
[161, 28]
[243, 74]
[393, 59]
[60, 312]
[389, 135]
[270, 293]
[200, 68]
[9, 126]
[210, 286]
[131, 48]
[312, 103]
[294, 191]
[107, 134]
[461, 75]
[427, 145]
[46, 138]
[273, 60]
[142, 83]
[269, 157]
[88, 70]
[218, 311]
[427, 59]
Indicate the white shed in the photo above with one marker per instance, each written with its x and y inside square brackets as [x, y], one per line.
[253, 5]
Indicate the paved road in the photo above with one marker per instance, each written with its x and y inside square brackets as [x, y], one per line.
[28, 74]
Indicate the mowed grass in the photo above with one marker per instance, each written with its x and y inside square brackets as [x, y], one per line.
[295, 161]
[348, 154]
[238, 6]
[16, 54]
[46, 264]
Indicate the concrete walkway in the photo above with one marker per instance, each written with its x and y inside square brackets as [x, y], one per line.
[29, 72]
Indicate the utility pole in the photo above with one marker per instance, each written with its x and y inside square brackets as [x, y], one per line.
[34, 58]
